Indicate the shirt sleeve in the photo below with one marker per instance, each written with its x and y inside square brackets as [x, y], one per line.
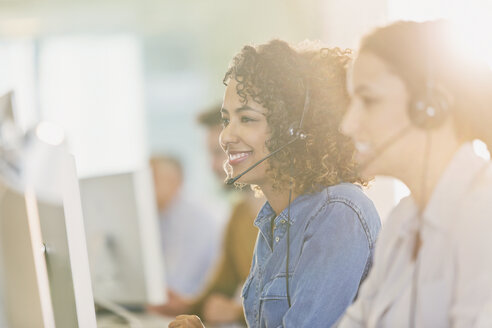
[357, 314]
[333, 259]
[198, 256]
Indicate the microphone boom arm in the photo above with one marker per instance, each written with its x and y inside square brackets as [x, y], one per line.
[230, 181]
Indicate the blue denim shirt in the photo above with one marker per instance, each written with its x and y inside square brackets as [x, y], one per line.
[332, 237]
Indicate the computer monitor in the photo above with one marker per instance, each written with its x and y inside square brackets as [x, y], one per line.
[11, 136]
[123, 239]
[26, 285]
[46, 270]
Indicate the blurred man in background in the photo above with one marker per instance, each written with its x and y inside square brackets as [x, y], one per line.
[190, 235]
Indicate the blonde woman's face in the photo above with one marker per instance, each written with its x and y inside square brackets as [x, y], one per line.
[376, 115]
[244, 136]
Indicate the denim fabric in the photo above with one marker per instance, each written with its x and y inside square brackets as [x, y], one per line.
[332, 237]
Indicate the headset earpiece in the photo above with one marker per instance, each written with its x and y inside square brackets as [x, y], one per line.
[295, 129]
[430, 109]
[297, 133]
[430, 106]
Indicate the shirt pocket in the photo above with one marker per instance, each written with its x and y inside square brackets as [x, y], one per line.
[247, 283]
[275, 289]
[273, 300]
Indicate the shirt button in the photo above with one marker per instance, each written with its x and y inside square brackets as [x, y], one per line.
[277, 239]
[282, 221]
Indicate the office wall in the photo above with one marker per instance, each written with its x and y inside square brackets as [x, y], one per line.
[173, 68]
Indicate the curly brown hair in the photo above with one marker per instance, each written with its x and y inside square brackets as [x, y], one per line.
[277, 75]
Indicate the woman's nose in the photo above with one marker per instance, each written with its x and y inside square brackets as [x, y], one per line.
[350, 122]
[227, 136]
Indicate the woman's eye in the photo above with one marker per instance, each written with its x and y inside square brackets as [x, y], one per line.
[369, 101]
[246, 119]
[225, 121]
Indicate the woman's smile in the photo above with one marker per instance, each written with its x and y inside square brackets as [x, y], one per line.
[237, 157]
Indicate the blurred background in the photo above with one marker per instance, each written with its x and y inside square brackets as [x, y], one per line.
[127, 78]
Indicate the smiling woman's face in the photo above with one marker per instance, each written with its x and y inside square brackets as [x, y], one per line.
[377, 114]
[244, 136]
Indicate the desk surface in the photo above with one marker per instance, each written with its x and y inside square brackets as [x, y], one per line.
[147, 320]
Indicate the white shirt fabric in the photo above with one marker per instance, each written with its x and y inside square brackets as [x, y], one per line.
[190, 237]
[485, 318]
[454, 274]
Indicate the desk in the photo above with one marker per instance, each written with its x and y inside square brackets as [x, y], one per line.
[147, 320]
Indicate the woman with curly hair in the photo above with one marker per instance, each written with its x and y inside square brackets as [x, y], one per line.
[418, 102]
[317, 228]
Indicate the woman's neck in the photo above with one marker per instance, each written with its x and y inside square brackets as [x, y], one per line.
[278, 199]
[423, 181]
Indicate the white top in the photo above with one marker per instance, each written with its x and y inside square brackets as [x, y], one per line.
[454, 275]
[191, 237]
[485, 318]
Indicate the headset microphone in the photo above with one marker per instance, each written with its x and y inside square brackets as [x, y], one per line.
[298, 134]
[385, 145]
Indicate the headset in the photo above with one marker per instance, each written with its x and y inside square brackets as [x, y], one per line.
[430, 105]
[296, 133]
[428, 110]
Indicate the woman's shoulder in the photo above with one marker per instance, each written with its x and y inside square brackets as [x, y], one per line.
[475, 209]
[348, 192]
[353, 197]
[347, 200]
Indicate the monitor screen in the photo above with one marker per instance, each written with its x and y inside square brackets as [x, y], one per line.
[120, 218]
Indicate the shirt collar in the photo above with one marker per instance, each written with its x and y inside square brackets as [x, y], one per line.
[296, 207]
[264, 219]
[407, 210]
